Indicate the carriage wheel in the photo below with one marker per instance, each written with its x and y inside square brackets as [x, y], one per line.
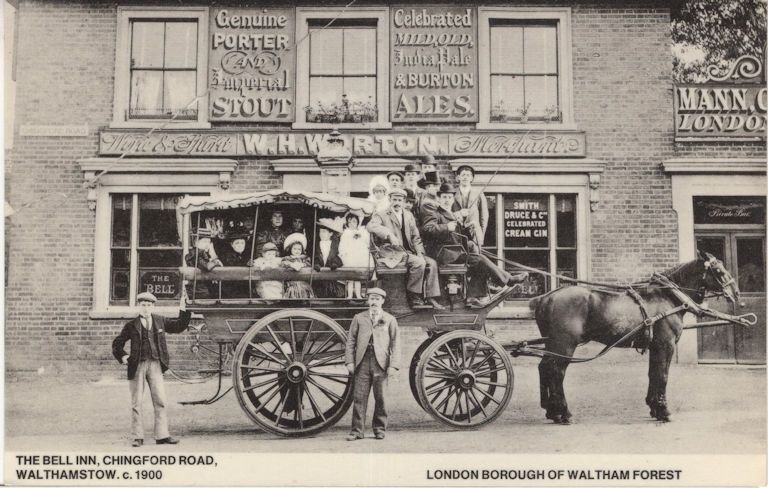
[464, 379]
[289, 373]
[414, 364]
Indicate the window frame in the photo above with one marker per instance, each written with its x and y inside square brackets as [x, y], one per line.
[303, 17]
[123, 69]
[562, 16]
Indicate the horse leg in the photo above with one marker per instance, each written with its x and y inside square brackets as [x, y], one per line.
[561, 404]
[662, 350]
[545, 386]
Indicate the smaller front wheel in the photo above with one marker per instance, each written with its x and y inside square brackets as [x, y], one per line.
[464, 379]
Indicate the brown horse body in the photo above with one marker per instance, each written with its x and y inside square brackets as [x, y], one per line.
[574, 315]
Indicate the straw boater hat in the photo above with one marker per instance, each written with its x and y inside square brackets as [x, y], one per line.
[430, 178]
[293, 239]
[335, 225]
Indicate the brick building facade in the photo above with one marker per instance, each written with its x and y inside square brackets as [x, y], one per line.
[84, 142]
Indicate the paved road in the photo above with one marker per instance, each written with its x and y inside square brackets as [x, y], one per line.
[716, 410]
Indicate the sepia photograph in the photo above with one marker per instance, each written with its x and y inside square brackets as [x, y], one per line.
[378, 243]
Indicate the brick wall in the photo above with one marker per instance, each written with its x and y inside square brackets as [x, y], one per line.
[65, 75]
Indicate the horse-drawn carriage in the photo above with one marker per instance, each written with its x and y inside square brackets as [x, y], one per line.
[288, 366]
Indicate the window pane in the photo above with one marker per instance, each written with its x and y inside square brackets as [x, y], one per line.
[489, 243]
[566, 220]
[147, 45]
[159, 274]
[566, 265]
[541, 93]
[360, 90]
[159, 258]
[359, 51]
[146, 93]
[180, 92]
[526, 221]
[121, 220]
[536, 284]
[119, 288]
[326, 91]
[157, 222]
[325, 52]
[749, 254]
[713, 245]
[506, 97]
[540, 49]
[181, 45]
[507, 49]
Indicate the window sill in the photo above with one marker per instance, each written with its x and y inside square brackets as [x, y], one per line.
[164, 124]
[361, 125]
[564, 126]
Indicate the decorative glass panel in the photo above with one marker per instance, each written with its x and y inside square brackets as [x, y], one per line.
[181, 45]
[526, 221]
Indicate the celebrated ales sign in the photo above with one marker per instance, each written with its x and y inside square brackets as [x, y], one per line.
[252, 65]
[730, 106]
[434, 64]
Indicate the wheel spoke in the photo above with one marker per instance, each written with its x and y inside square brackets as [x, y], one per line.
[267, 354]
[442, 376]
[278, 344]
[450, 354]
[477, 403]
[332, 378]
[491, 383]
[311, 356]
[257, 368]
[253, 375]
[481, 363]
[469, 411]
[440, 365]
[293, 336]
[305, 348]
[444, 401]
[474, 353]
[487, 395]
[438, 389]
[251, 387]
[264, 403]
[326, 360]
[325, 390]
[300, 406]
[463, 357]
[281, 404]
[458, 401]
[315, 407]
[489, 371]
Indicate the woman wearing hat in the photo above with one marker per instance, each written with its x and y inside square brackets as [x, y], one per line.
[354, 249]
[295, 259]
[272, 289]
[326, 255]
[471, 205]
[378, 189]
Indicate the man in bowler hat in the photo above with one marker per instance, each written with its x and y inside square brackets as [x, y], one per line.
[372, 355]
[147, 362]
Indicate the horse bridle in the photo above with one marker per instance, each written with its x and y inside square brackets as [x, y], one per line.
[723, 283]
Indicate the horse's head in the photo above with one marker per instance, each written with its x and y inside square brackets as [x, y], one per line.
[716, 278]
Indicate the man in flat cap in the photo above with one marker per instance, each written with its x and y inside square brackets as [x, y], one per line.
[147, 362]
[397, 226]
[372, 355]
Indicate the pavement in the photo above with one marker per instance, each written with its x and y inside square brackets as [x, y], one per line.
[715, 410]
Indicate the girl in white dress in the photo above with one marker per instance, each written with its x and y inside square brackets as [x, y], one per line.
[378, 192]
[354, 250]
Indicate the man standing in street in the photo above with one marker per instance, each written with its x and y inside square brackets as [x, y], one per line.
[147, 362]
[372, 355]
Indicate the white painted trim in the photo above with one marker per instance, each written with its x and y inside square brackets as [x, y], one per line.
[123, 72]
[565, 62]
[304, 14]
[684, 187]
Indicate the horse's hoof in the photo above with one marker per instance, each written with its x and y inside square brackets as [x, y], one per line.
[556, 419]
[565, 421]
[663, 418]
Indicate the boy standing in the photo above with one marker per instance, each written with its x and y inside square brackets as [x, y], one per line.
[372, 355]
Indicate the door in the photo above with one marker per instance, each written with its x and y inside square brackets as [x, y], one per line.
[743, 254]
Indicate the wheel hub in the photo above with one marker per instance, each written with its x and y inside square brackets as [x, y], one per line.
[465, 379]
[296, 372]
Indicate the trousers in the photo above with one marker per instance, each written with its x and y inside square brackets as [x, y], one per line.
[480, 270]
[148, 373]
[369, 374]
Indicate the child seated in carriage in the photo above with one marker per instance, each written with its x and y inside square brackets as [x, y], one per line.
[354, 250]
[204, 257]
[271, 289]
[295, 259]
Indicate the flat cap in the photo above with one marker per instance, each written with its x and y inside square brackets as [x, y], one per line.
[411, 168]
[269, 246]
[146, 297]
[397, 191]
[377, 291]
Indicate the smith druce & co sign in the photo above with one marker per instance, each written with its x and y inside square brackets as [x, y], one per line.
[726, 107]
[544, 144]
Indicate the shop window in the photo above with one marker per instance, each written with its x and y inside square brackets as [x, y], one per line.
[145, 248]
[160, 68]
[525, 67]
[539, 231]
[342, 67]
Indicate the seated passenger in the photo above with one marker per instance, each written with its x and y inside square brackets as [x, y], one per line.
[354, 249]
[295, 259]
[275, 234]
[441, 228]
[297, 225]
[204, 257]
[235, 254]
[271, 289]
[428, 201]
[378, 189]
[326, 255]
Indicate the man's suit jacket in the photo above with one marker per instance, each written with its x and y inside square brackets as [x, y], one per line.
[436, 233]
[384, 224]
[133, 330]
[386, 340]
[333, 261]
[477, 221]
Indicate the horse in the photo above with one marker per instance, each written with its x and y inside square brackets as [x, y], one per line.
[573, 315]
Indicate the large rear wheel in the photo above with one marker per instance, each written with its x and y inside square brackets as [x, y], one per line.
[289, 373]
[464, 379]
